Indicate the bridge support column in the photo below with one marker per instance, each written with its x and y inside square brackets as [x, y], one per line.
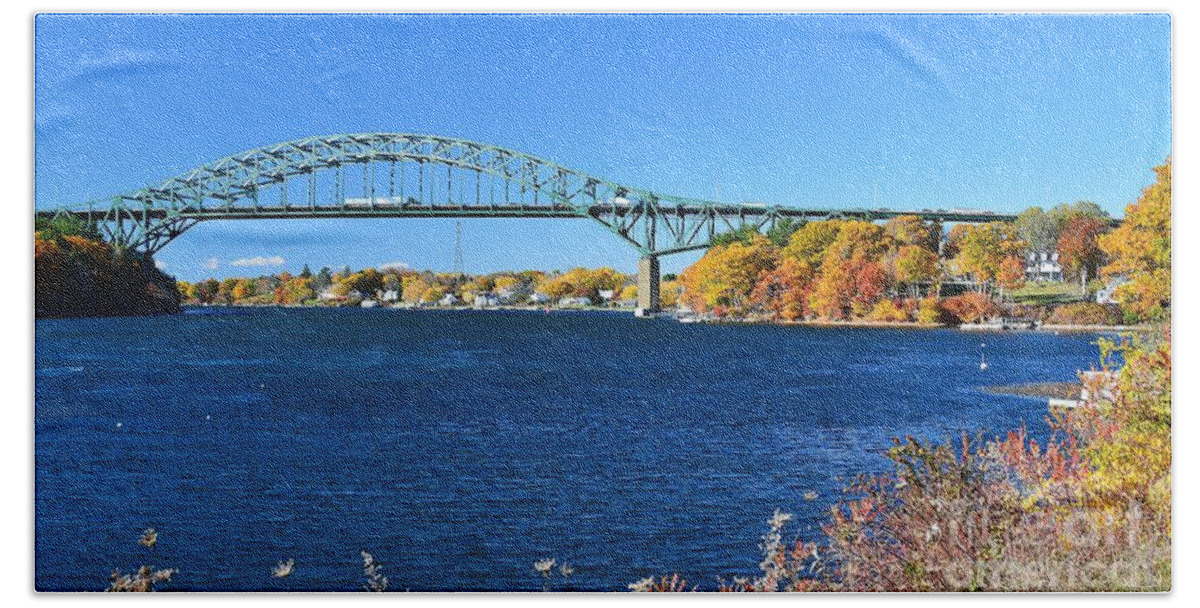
[647, 287]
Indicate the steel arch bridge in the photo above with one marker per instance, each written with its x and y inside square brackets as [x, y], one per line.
[410, 175]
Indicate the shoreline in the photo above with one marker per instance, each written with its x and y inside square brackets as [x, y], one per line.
[819, 323]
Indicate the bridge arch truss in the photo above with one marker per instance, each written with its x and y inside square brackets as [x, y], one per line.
[407, 175]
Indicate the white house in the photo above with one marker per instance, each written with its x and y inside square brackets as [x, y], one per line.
[539, 298]
[448, 300]
[1042, 266]
[391, 295]
[1105, 295]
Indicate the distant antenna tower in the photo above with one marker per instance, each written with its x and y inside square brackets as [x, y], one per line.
[458, 263]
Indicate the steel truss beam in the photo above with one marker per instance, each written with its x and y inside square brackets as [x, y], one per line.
[241, 186]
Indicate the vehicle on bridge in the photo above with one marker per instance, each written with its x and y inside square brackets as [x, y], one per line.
[436, 177]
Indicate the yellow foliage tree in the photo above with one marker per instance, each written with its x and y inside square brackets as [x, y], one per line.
[810, 242]
[1141, 250]
[725, 277]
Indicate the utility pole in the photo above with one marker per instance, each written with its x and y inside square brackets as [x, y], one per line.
[458, 257]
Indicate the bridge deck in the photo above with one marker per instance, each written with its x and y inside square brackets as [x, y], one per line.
[391, 210]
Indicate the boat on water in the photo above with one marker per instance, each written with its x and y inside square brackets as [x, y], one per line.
[1002, 324]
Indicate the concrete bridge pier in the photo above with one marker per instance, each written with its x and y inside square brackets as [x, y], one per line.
[647, 287]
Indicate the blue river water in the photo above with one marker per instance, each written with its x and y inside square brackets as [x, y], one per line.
[461, 447]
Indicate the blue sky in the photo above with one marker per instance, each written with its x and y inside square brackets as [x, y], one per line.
[900, 111]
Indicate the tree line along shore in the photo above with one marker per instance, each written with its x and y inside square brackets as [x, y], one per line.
[904, 271]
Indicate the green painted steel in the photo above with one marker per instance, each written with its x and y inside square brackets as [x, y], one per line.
[480, 180]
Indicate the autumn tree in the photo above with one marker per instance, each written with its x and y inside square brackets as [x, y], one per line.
[294, 290]
[954, 240]
[558, 287]
[206, 290]
[971, 307]
[506, 282]
[726, 275]
[833, 289]
[914, 265]
[414, 288]
[668, 293]
[242, 289]
[857, 238]
[810, 241]
[870, 282]
[1140, 249]
[982, 249]
[225, 290]
[784, 291]
[1011, 274]
[584, 283]
[366, 282]
[433, 294]
[912, 230]
[1079, 252]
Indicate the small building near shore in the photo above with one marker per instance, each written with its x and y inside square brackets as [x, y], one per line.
[485, 300]
[1042, 266]
[574, 302]
[1105, 295]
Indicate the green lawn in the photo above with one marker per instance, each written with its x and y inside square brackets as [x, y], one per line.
[1047, 293]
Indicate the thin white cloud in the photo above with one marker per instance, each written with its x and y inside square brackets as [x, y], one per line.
[212, 264]
[274, 260]
[159, 264]
[395, 266]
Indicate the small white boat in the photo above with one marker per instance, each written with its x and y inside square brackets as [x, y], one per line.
[982, 361]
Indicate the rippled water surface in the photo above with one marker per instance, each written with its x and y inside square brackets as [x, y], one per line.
[460, 447]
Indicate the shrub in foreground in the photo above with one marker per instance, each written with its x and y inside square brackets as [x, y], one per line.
[1089, 510]
[887, 311]
[1086, 313]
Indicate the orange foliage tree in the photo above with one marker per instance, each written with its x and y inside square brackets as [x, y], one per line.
[870, 282]
[971, 307]
[784, 291]
[1011, 274]
[1079, 252]
[833, 289]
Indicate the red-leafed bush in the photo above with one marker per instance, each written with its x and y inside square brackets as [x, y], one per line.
[970, 307]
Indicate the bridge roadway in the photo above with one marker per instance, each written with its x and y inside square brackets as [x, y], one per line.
[453, 179]
[383, 209]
